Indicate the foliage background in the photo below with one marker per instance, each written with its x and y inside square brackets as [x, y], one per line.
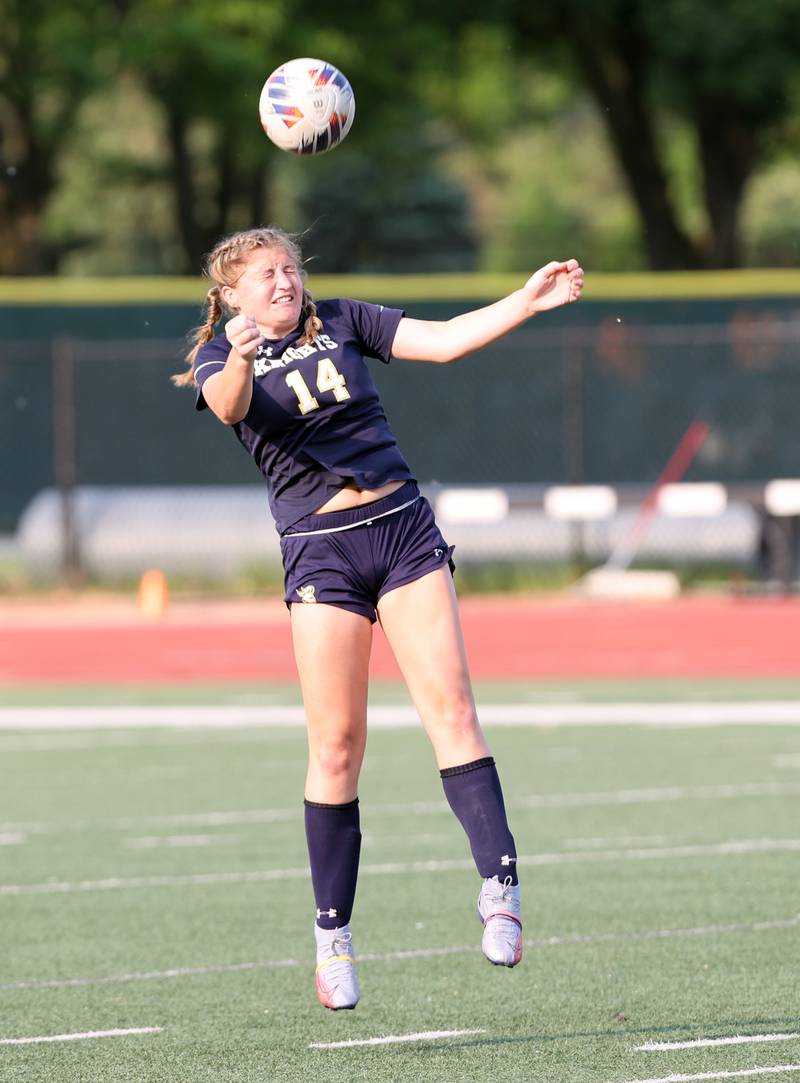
[632, 135]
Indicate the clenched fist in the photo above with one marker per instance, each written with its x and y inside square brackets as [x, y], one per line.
[244, 336]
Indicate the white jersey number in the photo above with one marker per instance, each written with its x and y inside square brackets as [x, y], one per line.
[328, 379]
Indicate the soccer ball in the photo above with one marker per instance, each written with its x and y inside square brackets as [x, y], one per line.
[307, 106]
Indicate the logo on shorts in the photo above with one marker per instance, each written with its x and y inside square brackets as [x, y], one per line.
[438, 552]
[307, 594]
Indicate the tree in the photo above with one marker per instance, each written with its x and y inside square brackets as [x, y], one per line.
[406, 219]
[725, 68]
[204, 64]
[52, 57]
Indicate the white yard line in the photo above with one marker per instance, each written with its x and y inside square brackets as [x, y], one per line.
[786, 759]
[422, 1036]
[155, 975]
[152, 842]
[731, 848]
[775, 1070]
[413, 953]
[701, 1043]
[375, 838]
[774, 712]
[81, 1037]
[612, 840]
[651, 795]
[216, 819]
[654, 795]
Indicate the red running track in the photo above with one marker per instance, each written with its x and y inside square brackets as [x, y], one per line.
[506, 638]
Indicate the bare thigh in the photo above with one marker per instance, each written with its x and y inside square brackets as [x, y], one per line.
[331, 649]
[422, 624]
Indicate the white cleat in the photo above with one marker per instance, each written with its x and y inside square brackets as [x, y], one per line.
[337, 979]
[499, 910]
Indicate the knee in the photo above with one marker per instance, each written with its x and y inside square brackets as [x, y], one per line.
[336, 757]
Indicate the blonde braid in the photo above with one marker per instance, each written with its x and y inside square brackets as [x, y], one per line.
[223, 266]
[200, 336]
[313, 324]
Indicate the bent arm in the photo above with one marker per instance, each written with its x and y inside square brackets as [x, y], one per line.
[446, 340]
[229, 391]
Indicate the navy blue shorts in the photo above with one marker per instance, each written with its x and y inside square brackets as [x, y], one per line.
[352, 558]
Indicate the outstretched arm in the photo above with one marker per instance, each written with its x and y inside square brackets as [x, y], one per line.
[446, 340]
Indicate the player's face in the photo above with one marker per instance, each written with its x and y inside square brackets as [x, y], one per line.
[269, 289]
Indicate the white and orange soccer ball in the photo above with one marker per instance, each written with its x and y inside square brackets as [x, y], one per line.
[307, 106]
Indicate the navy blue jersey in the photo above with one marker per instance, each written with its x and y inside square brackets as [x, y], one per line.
[315, 420]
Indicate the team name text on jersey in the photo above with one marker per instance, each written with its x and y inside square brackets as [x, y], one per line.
[265, 362]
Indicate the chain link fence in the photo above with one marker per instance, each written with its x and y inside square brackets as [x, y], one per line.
[108, 469]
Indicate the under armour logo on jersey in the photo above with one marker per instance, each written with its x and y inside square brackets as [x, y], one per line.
[506, 860]
[326, 913]
[307, 593]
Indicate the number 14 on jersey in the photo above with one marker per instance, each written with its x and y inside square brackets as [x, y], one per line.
[328, 379]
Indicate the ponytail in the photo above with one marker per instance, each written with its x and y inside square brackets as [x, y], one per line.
[313, 324]
[200, 336]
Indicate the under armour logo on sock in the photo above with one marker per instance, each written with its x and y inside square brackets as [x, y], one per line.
[326, 913]
[506, 860]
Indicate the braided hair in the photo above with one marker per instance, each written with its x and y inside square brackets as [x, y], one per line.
[223, 267]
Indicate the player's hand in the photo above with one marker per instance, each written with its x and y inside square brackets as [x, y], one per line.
[554, 284]
[244, 335]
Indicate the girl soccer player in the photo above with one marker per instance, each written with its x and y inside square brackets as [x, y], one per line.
[359, 544]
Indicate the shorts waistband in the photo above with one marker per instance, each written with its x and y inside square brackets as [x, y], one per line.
[317, 523]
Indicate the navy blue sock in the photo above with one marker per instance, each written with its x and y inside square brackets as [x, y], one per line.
[474, 793]
[334, 844]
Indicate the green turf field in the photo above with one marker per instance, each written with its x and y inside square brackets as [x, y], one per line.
[156, 879]
[645, 690]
